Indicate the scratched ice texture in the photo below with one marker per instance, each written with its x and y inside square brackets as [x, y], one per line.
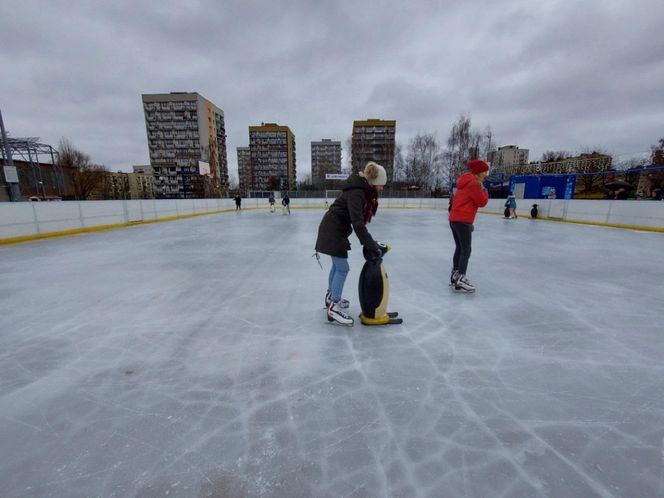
[193, 358]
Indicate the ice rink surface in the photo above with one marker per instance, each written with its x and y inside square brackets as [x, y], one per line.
[193, 358]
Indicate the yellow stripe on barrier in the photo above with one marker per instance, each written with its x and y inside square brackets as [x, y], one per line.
[583, 222]
[102, 228]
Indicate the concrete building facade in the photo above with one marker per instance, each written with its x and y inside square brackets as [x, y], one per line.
[325, 158]
[143, 169]
[183, 129]
[244, 169]
[373, 140]
[121, 185]
[272, 149]
[506, 157]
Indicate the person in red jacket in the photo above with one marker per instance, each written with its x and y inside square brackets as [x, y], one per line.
[470, 196]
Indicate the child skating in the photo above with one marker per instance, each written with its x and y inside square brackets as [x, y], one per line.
[511, 205]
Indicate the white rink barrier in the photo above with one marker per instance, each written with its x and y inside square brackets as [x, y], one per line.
[29, 220]
[627, 214]
[645, 215]
[21, 221]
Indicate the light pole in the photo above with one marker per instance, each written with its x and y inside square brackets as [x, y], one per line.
[9, 170]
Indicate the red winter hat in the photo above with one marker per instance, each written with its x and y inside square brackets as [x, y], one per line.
[477, 166]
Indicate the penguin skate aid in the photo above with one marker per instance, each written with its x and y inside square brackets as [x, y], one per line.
[374, 290]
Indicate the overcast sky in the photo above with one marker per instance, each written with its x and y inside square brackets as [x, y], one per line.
[545, 75]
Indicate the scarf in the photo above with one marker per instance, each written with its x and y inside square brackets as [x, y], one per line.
[370, 204]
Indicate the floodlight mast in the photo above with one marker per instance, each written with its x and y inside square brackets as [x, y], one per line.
[14, 190]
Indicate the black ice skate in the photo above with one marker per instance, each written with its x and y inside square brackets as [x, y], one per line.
[462, 284]
[454, 275]
[344, 303]
[336, 315]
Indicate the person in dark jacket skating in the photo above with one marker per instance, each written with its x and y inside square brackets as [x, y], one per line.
[351, 211]
[470, 196]
[285, 202]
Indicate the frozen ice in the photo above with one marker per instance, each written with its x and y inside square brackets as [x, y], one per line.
[193, 358]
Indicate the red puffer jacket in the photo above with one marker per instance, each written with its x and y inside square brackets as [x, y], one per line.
[468, 198]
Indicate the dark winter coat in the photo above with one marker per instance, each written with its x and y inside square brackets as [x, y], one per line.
[468, 198]
[347, 214]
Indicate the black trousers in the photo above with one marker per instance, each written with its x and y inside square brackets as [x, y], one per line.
[462, 233]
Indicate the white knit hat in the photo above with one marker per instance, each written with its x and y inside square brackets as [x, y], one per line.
[374, 173]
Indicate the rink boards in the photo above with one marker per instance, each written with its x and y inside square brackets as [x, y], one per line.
[25, 221]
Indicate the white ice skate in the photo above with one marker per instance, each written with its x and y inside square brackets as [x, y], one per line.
[462, 284]
[343, 304]
[336, 315]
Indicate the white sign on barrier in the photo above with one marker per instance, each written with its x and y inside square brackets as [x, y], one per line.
[336, 176]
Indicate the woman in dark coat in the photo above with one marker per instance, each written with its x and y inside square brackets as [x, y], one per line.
[351, 211]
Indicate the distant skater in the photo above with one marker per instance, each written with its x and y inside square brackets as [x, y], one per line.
[271, 201]
[511, 204]
[285, 202]
[470, 196]
[351, 211]
[238, 202]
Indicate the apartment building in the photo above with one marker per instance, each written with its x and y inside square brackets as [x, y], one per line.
[143, 169]
[325, 158]
[506, 157]
[272, 149]
[183, 129]
[244, 169]
[373, 140]
[121, 185]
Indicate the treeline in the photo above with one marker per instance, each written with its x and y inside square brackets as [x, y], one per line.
[430, 164]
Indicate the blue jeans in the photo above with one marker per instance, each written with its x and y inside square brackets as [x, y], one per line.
[337, 277]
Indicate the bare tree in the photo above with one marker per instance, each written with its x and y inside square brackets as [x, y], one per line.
[70, 156]
[87, 178]
[476, 140]
[488, 145]
[458, 145]
[424, 160]
[657, 157]
[463, 144]
[551, 156]
[636, 162]
[349, 155]
[590, 162]
[399, 174]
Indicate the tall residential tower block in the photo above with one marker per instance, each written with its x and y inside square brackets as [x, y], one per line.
[183, 129]
[272, 148]
[373, 140]
[325, 158]
[244, 169]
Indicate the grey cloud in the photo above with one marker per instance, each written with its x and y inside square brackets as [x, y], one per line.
[563, 75]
